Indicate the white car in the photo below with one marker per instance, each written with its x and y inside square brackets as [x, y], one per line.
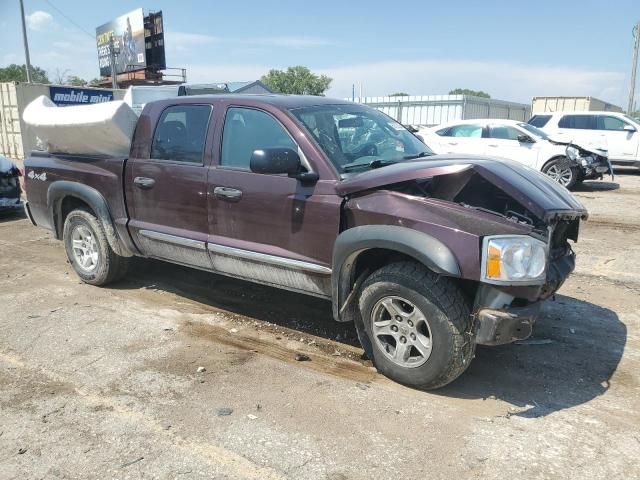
[517, 141]
[619, 131]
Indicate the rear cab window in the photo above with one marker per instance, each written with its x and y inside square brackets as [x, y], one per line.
[539, 120]
[181, 133]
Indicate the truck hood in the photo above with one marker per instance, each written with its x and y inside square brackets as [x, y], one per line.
[534, 191]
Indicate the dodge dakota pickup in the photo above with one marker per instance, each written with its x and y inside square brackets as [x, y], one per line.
[427, 254]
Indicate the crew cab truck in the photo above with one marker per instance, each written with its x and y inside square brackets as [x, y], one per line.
[427, 254]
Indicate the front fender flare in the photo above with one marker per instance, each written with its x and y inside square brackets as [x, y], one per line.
[424, 248]
[61, 189]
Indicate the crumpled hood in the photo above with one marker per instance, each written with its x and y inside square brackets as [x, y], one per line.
[533, 190]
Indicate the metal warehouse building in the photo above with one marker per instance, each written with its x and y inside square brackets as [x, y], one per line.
[436, 109]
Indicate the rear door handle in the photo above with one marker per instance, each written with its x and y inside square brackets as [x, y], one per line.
[493, 145]
[453, 143]
[226, 193]
[144, 182]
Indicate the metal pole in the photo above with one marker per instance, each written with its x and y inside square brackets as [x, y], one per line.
[26, 44]
[634, 67]
[112, 60]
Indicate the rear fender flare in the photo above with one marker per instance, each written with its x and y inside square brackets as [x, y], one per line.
[62, 189]
[424, 248]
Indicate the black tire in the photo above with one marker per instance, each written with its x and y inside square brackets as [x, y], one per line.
[447, 315]
[108, 266]
[559, 169]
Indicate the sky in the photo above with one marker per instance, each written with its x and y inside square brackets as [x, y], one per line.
[512, 50]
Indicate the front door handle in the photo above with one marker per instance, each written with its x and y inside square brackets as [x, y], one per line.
[226, 193]
[144, 182]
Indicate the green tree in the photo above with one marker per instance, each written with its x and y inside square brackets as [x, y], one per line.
[75, 81]
[18, 73]
[466, 91]
[296, 80]
[399, 94]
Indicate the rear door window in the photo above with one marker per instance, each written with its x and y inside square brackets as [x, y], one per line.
[580, 122]
[247, 130]
[181, 134]
[539, 120]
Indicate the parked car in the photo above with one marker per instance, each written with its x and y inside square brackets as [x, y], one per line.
[428, 255]
[9, 186]
[517, 141]
[618, 131]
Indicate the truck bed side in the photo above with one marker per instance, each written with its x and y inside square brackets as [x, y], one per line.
[56, 184]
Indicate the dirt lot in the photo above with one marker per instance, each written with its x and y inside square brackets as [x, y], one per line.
[103, 383]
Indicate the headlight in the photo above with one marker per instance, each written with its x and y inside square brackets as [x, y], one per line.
[513, 259]
[572, 152]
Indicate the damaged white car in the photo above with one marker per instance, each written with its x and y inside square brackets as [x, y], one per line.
[567, 163]
[9, 186]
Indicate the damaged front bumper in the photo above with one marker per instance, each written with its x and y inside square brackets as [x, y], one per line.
[497, 327]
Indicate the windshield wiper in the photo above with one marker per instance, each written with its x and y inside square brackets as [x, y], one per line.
[372, 164]
[417, 155]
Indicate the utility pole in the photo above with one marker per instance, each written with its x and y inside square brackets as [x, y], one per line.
[26, 44]
[112, 61]
[634, 67]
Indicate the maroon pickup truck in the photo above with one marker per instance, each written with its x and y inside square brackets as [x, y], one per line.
[428, 255]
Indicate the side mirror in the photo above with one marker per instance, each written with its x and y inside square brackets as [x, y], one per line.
[629, 128]
[525, 139]
[277, 160]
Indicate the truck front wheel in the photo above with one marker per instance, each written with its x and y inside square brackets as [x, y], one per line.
[416, 325]
[88, 250]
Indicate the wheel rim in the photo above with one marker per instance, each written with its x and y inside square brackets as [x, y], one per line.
[85, 248]
[561, 175]
[401, 331]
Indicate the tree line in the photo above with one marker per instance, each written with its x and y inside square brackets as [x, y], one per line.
[298, 80]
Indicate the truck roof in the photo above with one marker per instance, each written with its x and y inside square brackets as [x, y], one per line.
[280, 101]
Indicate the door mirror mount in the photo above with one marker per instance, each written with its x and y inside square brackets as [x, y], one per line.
[629, 129]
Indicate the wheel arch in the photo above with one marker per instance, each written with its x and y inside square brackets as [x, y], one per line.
[64, 196]
[361, 250]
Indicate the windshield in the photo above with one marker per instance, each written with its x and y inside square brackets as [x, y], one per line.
[534, 130]
[359, 138]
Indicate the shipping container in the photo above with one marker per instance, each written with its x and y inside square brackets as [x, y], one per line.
[16, 138]
[432, 110]
[571, 104]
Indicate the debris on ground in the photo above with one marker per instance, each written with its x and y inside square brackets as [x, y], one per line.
[224, 411]
[301, 357]
[22, 451]
[201, 370]
[252, 417]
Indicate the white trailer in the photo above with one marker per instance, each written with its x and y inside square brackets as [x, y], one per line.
[571, 104]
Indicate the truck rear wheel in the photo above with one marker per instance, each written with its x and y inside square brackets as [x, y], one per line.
[88, 250]
[416, 325]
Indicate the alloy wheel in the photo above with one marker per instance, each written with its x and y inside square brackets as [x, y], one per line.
[401, 331]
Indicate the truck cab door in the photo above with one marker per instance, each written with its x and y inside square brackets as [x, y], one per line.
[166, 185]
[272, 229]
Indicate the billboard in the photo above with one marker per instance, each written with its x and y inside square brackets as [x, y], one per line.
[78, 96]
[128, 42]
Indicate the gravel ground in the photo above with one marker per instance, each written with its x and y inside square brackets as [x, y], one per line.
[106, 382]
